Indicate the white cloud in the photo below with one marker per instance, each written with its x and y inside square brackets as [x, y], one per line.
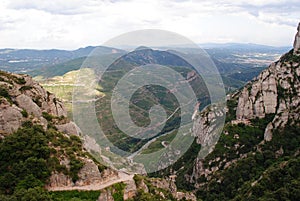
[70, 24]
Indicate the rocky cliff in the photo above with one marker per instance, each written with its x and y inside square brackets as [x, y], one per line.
[275, 91]
[23, 102]
[261, 131]
[24, 99]
[297, 41]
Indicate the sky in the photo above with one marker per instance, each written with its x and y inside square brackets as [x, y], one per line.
[71, 24]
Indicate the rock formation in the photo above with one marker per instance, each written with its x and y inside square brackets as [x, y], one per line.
[106, 195]
[273, 94]
[88, 177]
[23, 99]
[168, 185]
[275, 91]
[297, 41]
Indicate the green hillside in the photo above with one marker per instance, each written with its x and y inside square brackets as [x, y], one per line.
[62, 86]
[59, 69]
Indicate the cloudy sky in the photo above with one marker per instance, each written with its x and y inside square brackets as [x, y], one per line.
[70, 24]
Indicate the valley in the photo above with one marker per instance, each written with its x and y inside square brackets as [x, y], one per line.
[46, 155]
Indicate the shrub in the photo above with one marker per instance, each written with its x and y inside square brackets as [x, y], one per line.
[4, 93]
[24, 113]
[47, 116]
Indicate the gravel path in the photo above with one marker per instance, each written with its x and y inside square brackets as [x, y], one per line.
[122, 176]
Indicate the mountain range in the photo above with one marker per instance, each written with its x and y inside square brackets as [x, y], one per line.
[45, 156]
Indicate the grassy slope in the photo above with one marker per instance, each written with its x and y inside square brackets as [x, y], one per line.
[62, 86]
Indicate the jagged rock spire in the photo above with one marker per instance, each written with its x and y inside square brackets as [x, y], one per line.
[297, 40]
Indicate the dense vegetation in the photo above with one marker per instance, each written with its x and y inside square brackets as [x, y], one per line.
[269, 172]
[75, 195]
[247, 169]
[27, 161]
[24, 164]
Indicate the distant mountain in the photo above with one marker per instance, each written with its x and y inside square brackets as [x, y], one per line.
[242, 46]
[24, 60]
[235, 61]
[58, 69]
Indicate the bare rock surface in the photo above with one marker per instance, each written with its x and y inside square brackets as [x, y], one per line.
[69, 128]
[130, 190]
[297, 40]
[106, 195]
[10, 117]
[27, 100]
[273, 94]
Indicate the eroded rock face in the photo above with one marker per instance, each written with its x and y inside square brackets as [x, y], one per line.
[90, 174]
[169, 184]
[206, 124]
[10, 117]
[59, 180]
[106, 195]
[130, 190]
[297, 40]
[26, 103]
[260, 97]
[275, 91]
[68, 128]
[27, 100]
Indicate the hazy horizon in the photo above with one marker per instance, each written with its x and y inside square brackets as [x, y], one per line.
[201, 45]
[72, 24]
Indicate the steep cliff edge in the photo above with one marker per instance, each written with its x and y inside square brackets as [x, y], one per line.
[297, 41]
[33, 125]
[257, 155]
[24, 99]
[275, 91]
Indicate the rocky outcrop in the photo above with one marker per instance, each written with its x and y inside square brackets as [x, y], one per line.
[275, 91]
[170, 186]
[23, 99]
[88, 176]
[59, 180]
[106, 195]
[259, 97]
[26, 103]
[130, 190]
[274, 94]
[10, 117]
[206, 127]
[297, 41]
[69, 128]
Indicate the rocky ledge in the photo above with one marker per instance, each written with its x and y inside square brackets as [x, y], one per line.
[23, 99]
